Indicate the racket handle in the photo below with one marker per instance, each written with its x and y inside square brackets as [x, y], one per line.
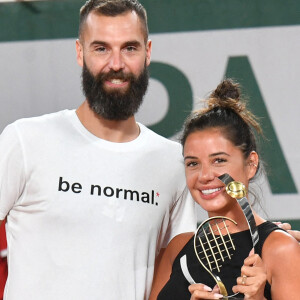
[221, 286]
[189, 278]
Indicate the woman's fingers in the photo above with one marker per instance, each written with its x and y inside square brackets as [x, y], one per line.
[253, 259]
[253, 278]
[216, 289]
[200, 291]
[200, 287]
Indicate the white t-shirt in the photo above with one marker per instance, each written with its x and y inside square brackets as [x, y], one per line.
[86, 217]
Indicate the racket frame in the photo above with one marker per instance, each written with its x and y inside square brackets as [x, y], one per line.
[217, 279]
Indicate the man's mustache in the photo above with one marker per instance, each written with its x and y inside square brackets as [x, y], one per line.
[114, 75]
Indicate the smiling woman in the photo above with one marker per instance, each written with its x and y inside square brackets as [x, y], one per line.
[204, 164]
[216, 140]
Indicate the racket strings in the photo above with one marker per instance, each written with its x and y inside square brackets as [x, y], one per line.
[214, 247]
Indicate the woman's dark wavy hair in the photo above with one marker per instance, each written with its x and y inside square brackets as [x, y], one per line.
[229, 114]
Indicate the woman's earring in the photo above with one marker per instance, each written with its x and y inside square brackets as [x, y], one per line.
[253, 164]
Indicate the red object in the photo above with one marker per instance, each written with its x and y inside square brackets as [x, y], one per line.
[3, 259]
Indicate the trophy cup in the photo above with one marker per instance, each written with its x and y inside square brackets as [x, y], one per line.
[213, 244]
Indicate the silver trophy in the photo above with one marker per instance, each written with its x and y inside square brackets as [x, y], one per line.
[213, 244]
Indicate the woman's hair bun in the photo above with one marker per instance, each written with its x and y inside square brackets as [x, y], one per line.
[227, 89]
[227, 95]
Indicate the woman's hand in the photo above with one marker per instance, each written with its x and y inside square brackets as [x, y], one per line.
[253, 278]
[201, 291]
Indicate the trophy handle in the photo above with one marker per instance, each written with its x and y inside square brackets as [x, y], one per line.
[185, 270]
[237, 190]
[189, 278]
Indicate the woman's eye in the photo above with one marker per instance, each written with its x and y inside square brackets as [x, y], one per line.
[219, 160]
[191, 164]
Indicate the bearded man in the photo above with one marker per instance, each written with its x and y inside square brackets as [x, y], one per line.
[90, 195]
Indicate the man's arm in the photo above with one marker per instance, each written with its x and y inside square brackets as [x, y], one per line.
[286, 226]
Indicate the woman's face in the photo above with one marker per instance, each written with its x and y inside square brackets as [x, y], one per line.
[207, 155]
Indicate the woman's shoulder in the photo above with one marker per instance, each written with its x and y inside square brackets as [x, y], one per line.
[177, 244]
[281, 256]
[281, 252]
[164, 266]
[279, 243]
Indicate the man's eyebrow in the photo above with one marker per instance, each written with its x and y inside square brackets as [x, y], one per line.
[128, 43]
[97, 43]
[134, 43]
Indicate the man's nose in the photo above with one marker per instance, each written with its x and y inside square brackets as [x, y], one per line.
[116, 62]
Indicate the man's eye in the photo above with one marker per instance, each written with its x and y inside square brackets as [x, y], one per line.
[101, 49]
[130, 48]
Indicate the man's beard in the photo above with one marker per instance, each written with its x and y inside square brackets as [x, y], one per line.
[115, 104]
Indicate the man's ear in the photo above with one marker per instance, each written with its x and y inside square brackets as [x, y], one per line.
[148, 52]
[79, 52]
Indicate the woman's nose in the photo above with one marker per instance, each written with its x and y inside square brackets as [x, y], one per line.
[206, 174]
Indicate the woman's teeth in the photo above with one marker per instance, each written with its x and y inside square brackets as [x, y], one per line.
[210, 191]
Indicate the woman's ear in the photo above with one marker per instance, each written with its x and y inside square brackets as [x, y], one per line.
[252, 164]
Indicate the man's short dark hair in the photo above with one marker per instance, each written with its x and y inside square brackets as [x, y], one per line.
[113, 8]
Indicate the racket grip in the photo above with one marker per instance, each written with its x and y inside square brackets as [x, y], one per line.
[221, 286]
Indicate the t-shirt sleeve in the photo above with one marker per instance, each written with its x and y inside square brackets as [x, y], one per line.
[12, 178]
[182, 217]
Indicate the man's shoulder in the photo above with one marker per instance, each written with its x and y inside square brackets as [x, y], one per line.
[34, 127]
[161, 140]
[50, 118]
